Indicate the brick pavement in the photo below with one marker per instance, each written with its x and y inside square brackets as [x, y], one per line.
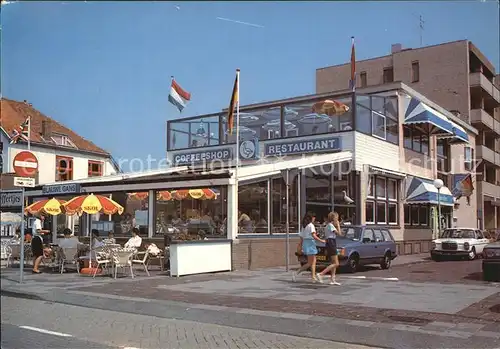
[115, 328]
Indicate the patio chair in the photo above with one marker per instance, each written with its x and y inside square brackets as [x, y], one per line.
[160, 257]
[13, 252]
[103, 258]
[123, 259]
[144, 260]
[68, 256]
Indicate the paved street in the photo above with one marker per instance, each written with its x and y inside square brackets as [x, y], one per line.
[421, 304]
[79, 327]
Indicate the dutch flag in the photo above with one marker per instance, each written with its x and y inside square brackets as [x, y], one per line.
[178, 96]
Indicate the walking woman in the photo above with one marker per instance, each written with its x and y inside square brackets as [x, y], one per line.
[308, 238]
[331, 232]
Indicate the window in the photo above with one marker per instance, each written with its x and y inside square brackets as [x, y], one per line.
[468, 156]
[63, 140]
[379, 125]
[378, 235]
[363, 119]
[363, 79]
[252, 207]
[416, 215]
[442, 155]
[368, 234]
[370, 212]
[135, 214]
[95, 168]
[416, 139]
[415, 72]
[279, 209]
[383, 208]
[387, 235]
[388, 75]
[64, 168]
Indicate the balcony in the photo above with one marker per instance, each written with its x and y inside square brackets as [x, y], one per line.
[487, 154]
[478, 79]
[482, 120]
[489, 189]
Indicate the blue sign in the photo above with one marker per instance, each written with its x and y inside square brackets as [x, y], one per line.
[316, 145]
[249, 150]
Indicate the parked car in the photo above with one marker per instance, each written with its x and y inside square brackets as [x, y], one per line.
[491, 262]
[459, 242]
[360, 245]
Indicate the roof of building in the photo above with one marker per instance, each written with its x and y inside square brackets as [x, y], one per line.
[14, 113]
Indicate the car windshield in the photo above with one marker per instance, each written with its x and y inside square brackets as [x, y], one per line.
[352, 233]
[457, 234]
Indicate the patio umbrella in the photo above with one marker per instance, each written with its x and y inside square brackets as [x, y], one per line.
[138, 196]
[330, 108]
[164, 195]
[205, 193]
[49, 206]
[92, 204]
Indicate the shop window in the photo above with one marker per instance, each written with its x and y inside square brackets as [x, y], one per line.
[191, 213]
[252, 208]
[416, 139]
[383, 208]
[416, 215]
[64, 168]
[343, 181]
[95, 168]
[279, 208]
[135, 214]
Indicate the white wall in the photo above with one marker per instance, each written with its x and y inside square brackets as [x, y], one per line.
[376, 152]
[47, 162]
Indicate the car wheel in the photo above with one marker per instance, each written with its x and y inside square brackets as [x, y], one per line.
[386, 262]
[353, 263]
[472, 254]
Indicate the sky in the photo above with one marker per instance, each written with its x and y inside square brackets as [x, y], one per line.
[103, 68]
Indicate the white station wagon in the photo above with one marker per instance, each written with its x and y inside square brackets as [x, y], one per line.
[460, 242]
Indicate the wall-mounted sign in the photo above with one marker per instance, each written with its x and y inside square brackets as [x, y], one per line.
[249, 150]
[11, 199]
[61, 189]
[317, 145]
[25, 164]
[24, 182]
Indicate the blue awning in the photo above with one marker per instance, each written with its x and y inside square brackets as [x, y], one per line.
[459, 134]
[422, 191]
[417, 112]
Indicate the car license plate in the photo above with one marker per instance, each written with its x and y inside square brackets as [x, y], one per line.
[321, 258]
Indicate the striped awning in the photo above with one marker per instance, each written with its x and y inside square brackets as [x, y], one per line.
[422, 191]
[459, 134]
[417, 112]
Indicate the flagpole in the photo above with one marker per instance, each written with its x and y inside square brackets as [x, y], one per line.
[29, 132]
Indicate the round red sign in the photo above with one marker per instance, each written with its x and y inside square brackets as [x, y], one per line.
[25, 164]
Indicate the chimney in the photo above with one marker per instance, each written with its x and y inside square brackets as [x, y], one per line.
[395, 48]
[46, 129]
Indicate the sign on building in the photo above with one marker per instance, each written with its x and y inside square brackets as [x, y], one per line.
[24, 182]
[25, 164]
[292, 147]
[249, 150]
[11, 199]
[61, 189]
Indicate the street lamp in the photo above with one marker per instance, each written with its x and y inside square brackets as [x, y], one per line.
[438, 183]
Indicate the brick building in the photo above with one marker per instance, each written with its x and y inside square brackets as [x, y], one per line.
[459, 78]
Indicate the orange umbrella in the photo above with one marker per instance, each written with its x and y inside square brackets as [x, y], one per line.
[138, 196]
[164, 195]
[180, 194]
[49, 206]
[92, 204]
[202, 194]
[330, 108]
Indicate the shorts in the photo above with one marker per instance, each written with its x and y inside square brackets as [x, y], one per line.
[331, 247]
[309, 247]
[36, 247]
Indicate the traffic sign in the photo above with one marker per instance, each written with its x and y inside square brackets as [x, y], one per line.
[25, 164]
[24, 182]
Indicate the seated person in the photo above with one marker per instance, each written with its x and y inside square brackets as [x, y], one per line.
[135, 241]
[96, 240]
[110, 239]
[153, 249]
[68, 241]
[16, 239]
[244, 222]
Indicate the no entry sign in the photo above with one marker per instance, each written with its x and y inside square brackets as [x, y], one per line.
[25, 164]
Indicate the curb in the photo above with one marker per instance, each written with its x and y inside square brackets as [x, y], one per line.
[20, 294]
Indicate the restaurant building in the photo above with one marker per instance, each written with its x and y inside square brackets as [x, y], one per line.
[373, 162]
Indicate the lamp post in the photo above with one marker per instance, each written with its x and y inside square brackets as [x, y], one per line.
[438, 183]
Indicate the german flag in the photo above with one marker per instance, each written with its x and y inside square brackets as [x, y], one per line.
[234, 100]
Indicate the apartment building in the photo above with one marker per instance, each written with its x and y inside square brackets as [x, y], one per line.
[459, 78]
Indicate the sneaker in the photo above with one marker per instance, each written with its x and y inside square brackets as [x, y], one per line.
[319, 277]
[294, 276]
[335, 283]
